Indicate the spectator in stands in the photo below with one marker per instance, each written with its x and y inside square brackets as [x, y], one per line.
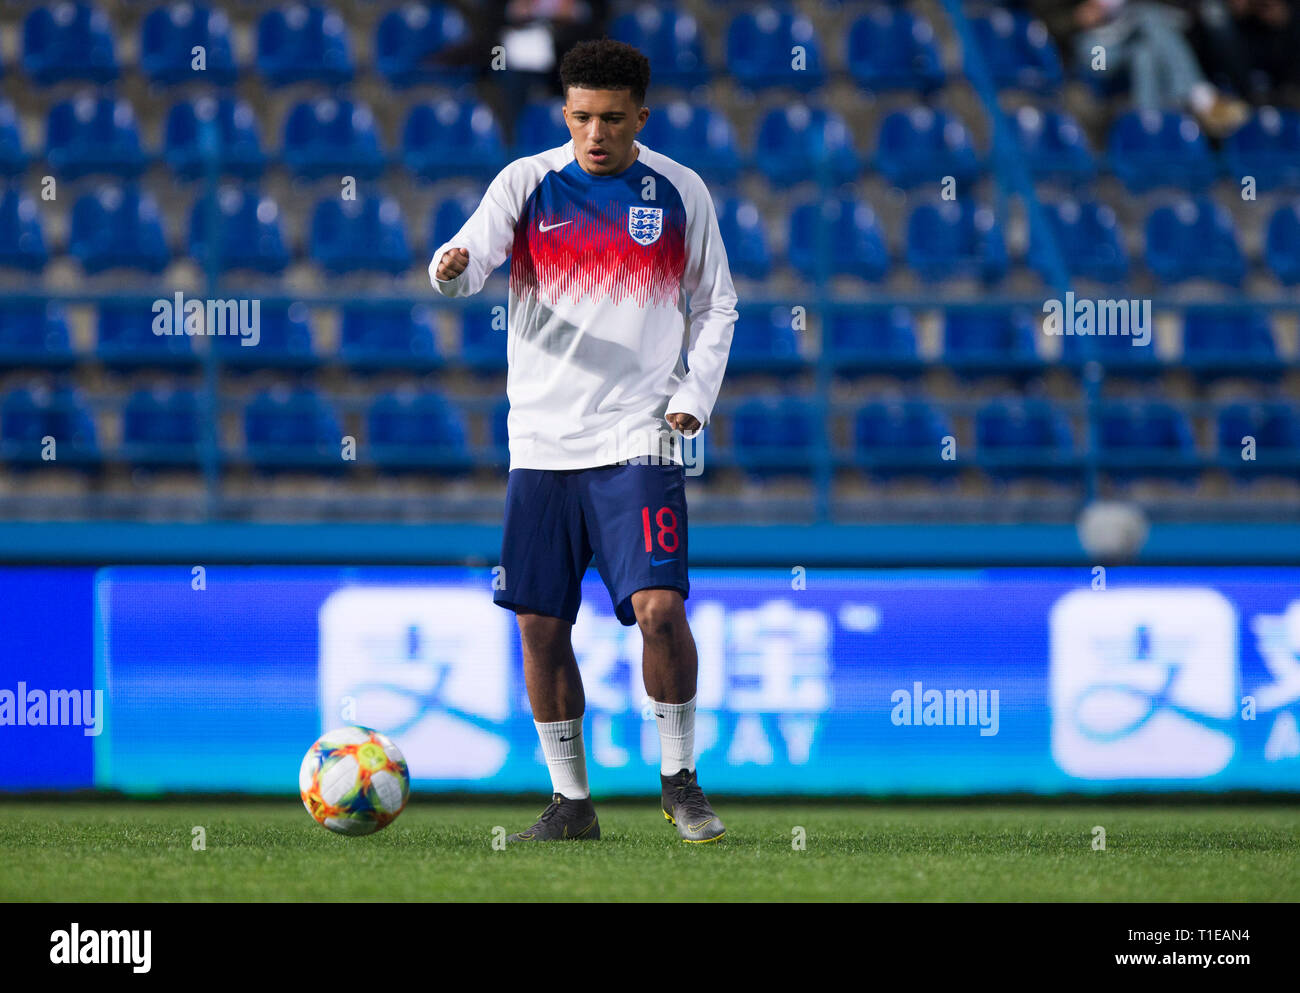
[1148, 39]
[1250, 44]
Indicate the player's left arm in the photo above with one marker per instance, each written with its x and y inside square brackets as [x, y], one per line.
[711, 312]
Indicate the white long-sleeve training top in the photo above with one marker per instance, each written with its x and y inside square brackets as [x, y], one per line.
[611, 279]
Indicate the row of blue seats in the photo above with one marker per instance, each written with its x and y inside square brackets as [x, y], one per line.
[301, 428]
[883, 50]
[1214, 341]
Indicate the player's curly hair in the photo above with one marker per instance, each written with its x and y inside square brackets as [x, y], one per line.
[606, 65]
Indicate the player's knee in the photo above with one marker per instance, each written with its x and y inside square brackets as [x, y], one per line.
[659, 614]
[540, 631]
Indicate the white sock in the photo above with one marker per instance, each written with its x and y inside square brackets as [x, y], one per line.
[676, 723]
[565, 757]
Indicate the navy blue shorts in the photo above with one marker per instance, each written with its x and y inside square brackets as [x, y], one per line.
[630, 518]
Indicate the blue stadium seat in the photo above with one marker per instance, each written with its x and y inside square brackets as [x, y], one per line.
[238, 149]
[284, 340]
[160, 428]
[448, 216]
[1275, 428]
[775, 436]
[851, 237]
[453, 138]
[1119, 354]
[540, 126]
[34, 334]
[741, 226]
[698, 134]
[499, 431]
[93, 134]
[1150, 150]
[1144, 438]
[68, 41]
[288, 428]
[248, 232]
[13, 158]
[1018, 51]
[125, 338]
[118, 227]
[417, 431]
[169, 35]
[27, 416]
[1268, 148]
[760, 45]
[1053, 145]
[359, 236]
[410, 41]
[1015, 437]
[954, 238]
[892, 49]
[669, 38]
[764, 340]
[923, 145]
[388, 336]
[990, 339]
[1282, 243]
[1193, 239]
[22, 237]
[1088, 237]
[872, 339]
[894, 438]
[483, 336]
[799, 143]
[302, 42]
[1218, 342]
[332, 137]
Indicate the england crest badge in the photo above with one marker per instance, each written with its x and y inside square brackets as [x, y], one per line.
[645, 224]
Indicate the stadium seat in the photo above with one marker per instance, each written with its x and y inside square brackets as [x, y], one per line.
[22, 237]
[329, 137]
[238, 149]
[1275, 430]
[700, 135]
[764, 340]
[669, 38]
[383, 336]
[417, 431]
[359, 236]
[1218, 342]
[760, 47]
[923, 145]
[13, 158]
[483, 336]
[28, 416]
[1144, 438]
[34, 335]
[891, 49]
[160, 428]
[454, 138]
[1053, 145]
[1088, 237]
[170, 34]
[990, 339]
[63, 41]
[1266, 147]
[126, 339]
[540, 126]
[93, 134]
[410, 41]
[499, 431]
[1023, 437]
[1150, 150]
[872, 339]
[1193, 239]
[1018, 51]
[303, 42]
[801, 143]
[775, 436]
[284, 340]
[1282, 244]
[287, 428]
[448, 216]
[850, 242]
[248, 233]
[953, 238]
[741, 226]
[1118, 353]
[118, 227]
[894, 438]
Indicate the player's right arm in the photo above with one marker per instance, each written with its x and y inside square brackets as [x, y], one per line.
[461, 266]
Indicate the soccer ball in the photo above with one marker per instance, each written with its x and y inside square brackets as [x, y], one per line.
[354, 781]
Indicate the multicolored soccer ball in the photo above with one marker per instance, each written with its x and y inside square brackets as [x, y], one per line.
[354, 781]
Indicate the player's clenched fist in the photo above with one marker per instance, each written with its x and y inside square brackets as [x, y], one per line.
[452, 263]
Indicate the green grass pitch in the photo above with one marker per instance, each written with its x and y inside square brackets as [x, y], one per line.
[81, 851]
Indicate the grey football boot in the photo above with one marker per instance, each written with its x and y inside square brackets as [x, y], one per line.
[685, 804]
[563, 820]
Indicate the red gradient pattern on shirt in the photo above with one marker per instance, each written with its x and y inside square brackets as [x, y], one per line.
[594, 256]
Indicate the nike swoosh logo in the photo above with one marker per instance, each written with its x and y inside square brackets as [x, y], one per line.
[655, 561]
[543, 227]
[578, 735]
[697, 827]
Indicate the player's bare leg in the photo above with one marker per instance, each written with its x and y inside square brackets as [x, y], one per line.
[669, 665]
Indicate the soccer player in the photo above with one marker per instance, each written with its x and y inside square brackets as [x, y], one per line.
[616, 268]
